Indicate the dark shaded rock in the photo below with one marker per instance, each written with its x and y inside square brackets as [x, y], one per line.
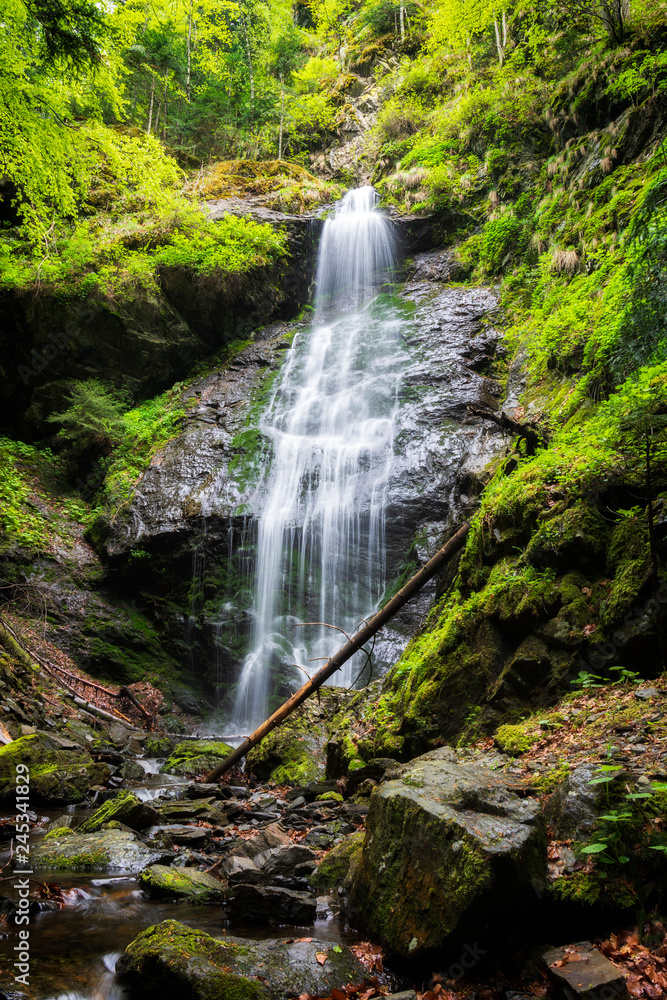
[167, 882]
[442, 841]
[284, 860]
[171, 959]
[181, 833]
[581, 972]
[273, 904]
[572, 810]
[182, 810]
[272, 836]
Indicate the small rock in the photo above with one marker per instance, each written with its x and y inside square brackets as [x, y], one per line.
[583, 973]
[645, 694]
[181, 833]
[277, 905]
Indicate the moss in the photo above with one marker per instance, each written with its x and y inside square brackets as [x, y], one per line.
[124, 809]
[196, 756]
[290, 754]
[337, 869]
[593, 889]
[329, 797]
[514, 740]
[174, 958]
[158, 746]
[57, 834]
[185, 883]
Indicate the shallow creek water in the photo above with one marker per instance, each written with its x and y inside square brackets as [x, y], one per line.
[73, 950]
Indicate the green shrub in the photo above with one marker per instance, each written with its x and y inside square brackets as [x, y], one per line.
[503, 240]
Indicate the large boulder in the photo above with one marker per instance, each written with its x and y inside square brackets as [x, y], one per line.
[171, 959]
[105, 850]
[187, 884]
[445, 840]
[60, 770]
[573, 809]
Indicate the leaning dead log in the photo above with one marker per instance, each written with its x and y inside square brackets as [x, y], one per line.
[345, 652]
[529, 433]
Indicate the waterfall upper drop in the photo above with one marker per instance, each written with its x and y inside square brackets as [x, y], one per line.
[330, 423]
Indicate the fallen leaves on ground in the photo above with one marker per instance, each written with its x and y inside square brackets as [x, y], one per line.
[645, 969]
[353, 991]
[370, 955]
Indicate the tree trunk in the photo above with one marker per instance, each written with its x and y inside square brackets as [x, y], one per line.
[150, 110]
[164, 124]
[187, 77]
[249, 55]
[282, 118]
[401, 17]
[345, 652]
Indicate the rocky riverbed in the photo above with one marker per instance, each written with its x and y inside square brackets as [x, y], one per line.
[385, 876]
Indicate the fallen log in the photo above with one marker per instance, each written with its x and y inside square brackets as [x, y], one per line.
[345, 652]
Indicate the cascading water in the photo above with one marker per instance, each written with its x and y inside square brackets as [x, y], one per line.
[330, 422]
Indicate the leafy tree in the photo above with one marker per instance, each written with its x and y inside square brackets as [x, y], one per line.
[93, 420]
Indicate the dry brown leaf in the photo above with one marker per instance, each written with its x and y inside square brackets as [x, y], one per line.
[321, 957]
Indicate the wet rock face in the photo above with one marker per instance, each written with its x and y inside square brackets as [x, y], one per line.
[445, 841]
[197, 502]
[106, 850]
[174, 959]
[188, 884]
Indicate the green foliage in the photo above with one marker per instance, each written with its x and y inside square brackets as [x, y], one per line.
[22, 523]
[92, 421]
[503, 240]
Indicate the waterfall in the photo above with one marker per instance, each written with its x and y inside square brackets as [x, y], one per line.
[330, 423]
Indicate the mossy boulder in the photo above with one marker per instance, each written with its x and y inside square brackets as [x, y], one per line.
[188, 884]
[338, 868]
[445, 843]
[289, 755]
[170, 958]
[111, 849]
[196, 756]
[60, 770]
[126, 809]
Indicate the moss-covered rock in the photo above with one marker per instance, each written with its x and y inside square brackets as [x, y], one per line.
[443, 842]
[291, 754]
[196, 756]
[60, 770]
[337, 869]
[111, 849]
[126, 809]
[188, 884]
[172, 958]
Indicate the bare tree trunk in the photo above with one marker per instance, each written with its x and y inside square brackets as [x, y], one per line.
[187, 78]
[282, 118]
[401, 17]
[249, 55]
[150, 110]
[499, 45]
[164, 124]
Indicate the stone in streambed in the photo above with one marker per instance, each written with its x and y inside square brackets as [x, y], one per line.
[60, 770]
[172, 959]
[188, 884]
[196, 757]
[583, 973]
[443, 838]
[338, 867]
[272, 904]
[105, 850]
[182, 810]
[126, 809]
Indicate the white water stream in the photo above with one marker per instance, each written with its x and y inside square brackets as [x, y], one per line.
[331, 425]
